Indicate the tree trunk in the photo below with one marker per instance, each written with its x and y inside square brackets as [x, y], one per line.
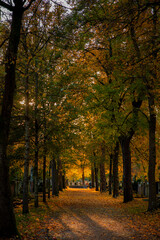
[96, 178]
[92, 175]
[152, 154]
[60, 178]
[83, 175]
[110, 173]
[36, 143]
[115, 171]
[55, 187]
[96, 172]
[44, 160]
[127, 183]
[152, 123]
[44, 178]
[64, 181]
[49, 175]
[7, 218]
[26, 164]
[102, 170]
[125, 145]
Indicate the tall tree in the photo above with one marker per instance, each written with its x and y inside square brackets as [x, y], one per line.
[7, 219]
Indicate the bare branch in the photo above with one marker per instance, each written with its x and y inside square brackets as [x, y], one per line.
[3, 42]
[99, 61]
[7, 6]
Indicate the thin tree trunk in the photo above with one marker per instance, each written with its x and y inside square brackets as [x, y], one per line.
[44, 161]
[96, 178]
[44, 178]
[152, 124]
[92, 175]
[7, 218]
[36, 143]
[26, 164]
[115, 171]
[64, 181]
[152, 155]
[49, 175]
[60, 180]
[102, 170]
[110, 173]
[83, 175]
[55, 187]
[96, 172]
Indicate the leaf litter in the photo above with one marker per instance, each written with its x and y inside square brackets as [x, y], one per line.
[87, 214]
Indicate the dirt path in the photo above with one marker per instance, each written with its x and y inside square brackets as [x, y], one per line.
[84, 214]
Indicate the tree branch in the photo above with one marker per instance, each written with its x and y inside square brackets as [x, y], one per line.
[28, 6]
[3, 42]
[58, 4]
[7, 6]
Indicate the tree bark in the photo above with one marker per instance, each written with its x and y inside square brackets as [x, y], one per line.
[36, 142]
[96, 178]
[7, 218]
[110, 174]
[125, 140]
[26, 164]
[49, 174]
[44, 178]
[55, 186]
[64, 181]
[102, 170]
[115, 171]
[92, 175]
[44, 160]
[60, 177]
[83, 175]
[152, 123]
[152, 155]
[96, 172]
[127, 183]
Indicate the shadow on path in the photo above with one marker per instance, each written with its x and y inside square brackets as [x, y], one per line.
[82, 214]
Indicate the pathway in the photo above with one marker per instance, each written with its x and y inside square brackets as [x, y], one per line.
[85, 214]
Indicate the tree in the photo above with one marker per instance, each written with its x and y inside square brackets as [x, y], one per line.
[146, 51]
[7, 219]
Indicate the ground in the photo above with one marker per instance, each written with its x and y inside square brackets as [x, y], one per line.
[86, 214]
